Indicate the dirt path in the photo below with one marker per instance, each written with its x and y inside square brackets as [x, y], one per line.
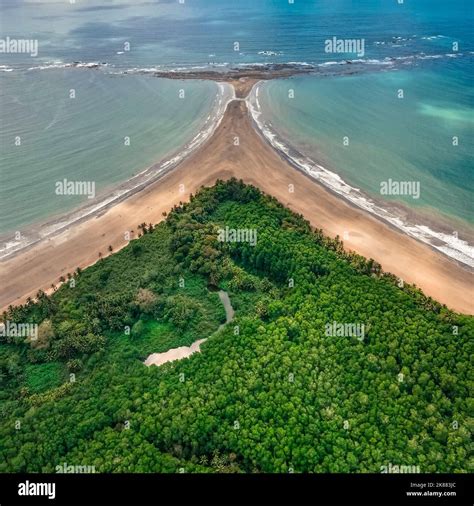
[186, 351]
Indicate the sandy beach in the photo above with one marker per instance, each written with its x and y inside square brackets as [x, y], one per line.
[255, 162]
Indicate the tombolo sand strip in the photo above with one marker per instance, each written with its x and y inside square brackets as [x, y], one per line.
[255, 162]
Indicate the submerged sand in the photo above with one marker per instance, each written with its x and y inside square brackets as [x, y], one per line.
[255, 162]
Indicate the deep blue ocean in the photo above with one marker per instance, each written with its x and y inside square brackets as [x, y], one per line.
[202, 32]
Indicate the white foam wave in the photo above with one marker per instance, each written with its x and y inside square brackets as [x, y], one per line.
[61, 65]
[113, 69]
[270, 53]
[143, 70]
[388, 60]
[301, 63]
[434, 37]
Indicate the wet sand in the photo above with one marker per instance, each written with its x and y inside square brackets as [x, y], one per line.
[254, 161]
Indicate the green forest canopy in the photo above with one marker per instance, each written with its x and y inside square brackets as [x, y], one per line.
[270, 392]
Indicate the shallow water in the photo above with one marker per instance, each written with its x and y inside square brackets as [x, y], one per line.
[403, 139]
[85, 138]
[409, 46]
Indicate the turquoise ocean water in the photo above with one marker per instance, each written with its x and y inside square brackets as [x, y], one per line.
[424, 47]
[113, 129]
[412, 126]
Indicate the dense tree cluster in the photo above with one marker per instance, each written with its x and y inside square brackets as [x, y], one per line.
[273, 391]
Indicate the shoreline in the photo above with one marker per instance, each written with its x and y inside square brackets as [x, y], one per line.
[38, 232]
[256, 163]
[453, 247]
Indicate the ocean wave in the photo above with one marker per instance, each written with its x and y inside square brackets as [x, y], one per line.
[391, 59]
[141, 70]
[449, 245]
[395, 41]
[301, 63]
[329, 63]
[304, 65]
[271, 53]
[116, 69]
[434, 37]
[61, 65]
[405, 41]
